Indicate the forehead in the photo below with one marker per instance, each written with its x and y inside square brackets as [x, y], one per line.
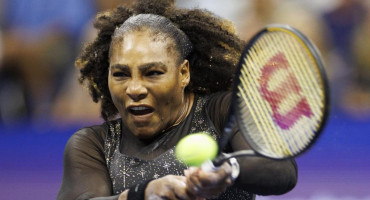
[145, 33]
[145, 45]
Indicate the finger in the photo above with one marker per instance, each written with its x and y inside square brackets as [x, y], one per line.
[213, 189]
[219, 176]
[165, 187]
[167, 194]
[191, 170]
[193, 184]
[216, 191]
[207, 181]
[179, 188]
[207, 184]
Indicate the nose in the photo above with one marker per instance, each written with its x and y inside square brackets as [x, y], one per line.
[136, 90]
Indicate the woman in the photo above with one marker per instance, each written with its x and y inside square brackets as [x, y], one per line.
[165, 72]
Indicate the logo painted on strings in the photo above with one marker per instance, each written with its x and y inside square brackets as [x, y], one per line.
[284, 90]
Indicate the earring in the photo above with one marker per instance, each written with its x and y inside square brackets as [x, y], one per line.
[96, 88]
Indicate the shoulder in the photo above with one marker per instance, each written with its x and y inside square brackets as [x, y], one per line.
[91, 137]
[97, 132]
[220, 99]
[218, 104]
[214, 100]
[216, 107]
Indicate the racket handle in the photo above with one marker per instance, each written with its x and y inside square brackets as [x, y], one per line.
[210, 166]
[222, 142]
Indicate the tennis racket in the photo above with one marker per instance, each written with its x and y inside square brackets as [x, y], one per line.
[280, 97]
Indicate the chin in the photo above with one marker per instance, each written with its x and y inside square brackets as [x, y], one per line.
[146, 135]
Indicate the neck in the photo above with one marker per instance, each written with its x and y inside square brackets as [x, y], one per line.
[185, 110]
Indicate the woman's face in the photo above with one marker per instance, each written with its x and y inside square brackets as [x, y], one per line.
[146, 82]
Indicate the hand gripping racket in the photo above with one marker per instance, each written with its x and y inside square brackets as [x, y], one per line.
[280, 97]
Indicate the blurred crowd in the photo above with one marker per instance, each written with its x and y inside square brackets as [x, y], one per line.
[40, 39]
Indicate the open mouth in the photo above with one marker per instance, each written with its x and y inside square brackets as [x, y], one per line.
[140, 110]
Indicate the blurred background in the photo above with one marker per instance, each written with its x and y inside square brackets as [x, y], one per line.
[42, 104]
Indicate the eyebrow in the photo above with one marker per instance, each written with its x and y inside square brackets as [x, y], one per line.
[142, 67]
[147, 66]
[119, 66]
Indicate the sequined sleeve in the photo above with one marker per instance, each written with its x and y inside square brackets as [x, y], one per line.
[85, 174]
[217, 109]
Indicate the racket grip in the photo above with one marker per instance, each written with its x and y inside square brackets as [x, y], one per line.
[210, 166]
[214, 165]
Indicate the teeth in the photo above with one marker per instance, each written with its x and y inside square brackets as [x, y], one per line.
[139, 108]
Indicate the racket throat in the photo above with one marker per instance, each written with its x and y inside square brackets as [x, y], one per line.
[223, 157]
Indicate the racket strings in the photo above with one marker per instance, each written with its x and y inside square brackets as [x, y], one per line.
[280, 94]
[283, 143]
[301, 64]
[269, 129]
[261, 111]
[314, 93]
[252, 103]
[303, 67]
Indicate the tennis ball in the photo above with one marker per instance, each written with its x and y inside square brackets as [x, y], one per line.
[196, 148]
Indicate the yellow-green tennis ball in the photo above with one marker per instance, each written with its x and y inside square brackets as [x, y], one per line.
[196, 148]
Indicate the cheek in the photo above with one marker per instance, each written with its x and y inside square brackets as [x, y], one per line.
[116, 95]
[171, 94]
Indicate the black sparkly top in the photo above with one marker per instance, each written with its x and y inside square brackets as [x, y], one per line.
[103, 160]
[128, 170]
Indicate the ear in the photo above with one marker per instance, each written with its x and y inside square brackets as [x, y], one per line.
[185, 73]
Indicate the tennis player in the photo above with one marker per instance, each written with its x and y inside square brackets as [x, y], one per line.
[159, 74]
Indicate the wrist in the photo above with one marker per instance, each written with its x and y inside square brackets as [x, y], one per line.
[137, 192]
[123, 195]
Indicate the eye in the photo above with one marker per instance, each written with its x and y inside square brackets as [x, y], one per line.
[154, 73]
[120, 74]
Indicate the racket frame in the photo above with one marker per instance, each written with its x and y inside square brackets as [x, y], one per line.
[233, 115]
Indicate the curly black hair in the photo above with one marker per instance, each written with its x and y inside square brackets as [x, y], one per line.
[215, 49]
[160, 28]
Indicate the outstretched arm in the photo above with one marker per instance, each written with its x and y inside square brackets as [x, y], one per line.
[258, 175]
[85, 173]
[261, 175]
